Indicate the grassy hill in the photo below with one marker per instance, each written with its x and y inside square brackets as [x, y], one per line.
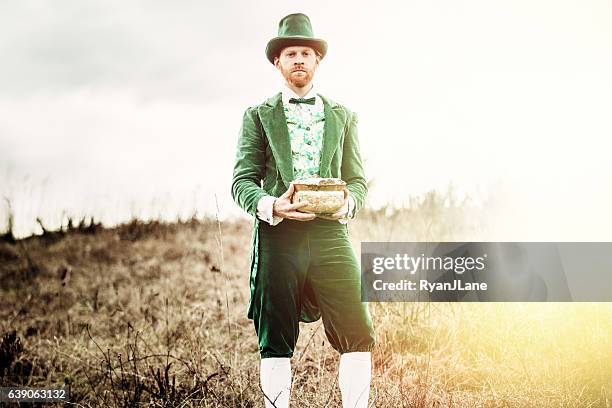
[154, 314]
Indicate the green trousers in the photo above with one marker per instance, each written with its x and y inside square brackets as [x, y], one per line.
[311, 260]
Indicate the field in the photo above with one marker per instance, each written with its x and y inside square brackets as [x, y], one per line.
[154, 314]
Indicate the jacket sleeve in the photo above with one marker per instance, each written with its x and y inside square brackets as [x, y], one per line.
[352, 167]
[250, 163]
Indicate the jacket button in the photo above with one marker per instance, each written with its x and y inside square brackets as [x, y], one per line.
[308, 128]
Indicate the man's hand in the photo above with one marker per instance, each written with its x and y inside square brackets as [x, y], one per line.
[283, 207]
[342, 212]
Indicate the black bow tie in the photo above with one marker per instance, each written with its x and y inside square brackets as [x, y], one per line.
[309, 101]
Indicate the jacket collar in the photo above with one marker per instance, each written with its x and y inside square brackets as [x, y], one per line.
[274, 123]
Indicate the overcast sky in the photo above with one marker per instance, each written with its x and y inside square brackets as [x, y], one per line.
[115, 109]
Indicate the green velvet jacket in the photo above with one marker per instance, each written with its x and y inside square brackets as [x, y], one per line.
[264, 166]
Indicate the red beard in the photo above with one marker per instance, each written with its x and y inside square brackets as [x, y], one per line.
[299, 80]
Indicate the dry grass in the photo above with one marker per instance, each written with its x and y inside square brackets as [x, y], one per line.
[151, 314]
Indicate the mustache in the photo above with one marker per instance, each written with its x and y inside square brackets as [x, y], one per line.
[298, 69]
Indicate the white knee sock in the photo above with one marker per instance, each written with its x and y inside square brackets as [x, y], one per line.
[354, 376]
[275, 379]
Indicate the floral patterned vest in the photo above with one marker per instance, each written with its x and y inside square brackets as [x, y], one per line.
[306, 135]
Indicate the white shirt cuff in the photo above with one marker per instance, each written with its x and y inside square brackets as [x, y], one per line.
[265, 207]
[351, 212]
[351, 208]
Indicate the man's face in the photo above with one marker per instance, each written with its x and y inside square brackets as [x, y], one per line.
[297, 64]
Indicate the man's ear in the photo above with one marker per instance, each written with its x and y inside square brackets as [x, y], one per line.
[276, 62]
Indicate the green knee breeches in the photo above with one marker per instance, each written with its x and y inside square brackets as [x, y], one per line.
[314, 259]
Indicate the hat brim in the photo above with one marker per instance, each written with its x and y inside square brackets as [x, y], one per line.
[276, 44]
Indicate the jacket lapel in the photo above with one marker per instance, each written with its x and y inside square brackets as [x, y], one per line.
[274, 123]
[334, 125]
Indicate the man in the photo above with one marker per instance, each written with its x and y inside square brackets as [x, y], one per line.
[302, 265]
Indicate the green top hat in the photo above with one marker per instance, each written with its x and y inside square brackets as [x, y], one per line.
[294, 29]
